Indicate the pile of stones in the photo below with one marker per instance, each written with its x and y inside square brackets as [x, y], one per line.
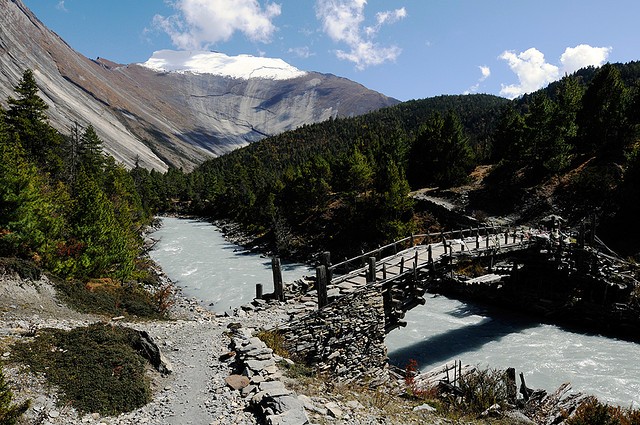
[258, 380]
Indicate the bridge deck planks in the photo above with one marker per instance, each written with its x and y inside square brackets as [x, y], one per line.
[392, 263]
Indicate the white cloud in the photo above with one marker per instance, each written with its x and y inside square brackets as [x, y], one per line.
[302, 52]
[391, 16]
[583, 55]
[199, 23]
[534, 72]
[486, 73]
[60, 6]
[342, 21]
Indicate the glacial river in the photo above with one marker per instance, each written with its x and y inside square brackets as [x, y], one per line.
[196, 256]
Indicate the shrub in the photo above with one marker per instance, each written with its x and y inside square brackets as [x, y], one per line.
[593, 412]
[96, 367]
[274, 340]
[9, 413]
[480, 390]
[24, 269]
[104, 296]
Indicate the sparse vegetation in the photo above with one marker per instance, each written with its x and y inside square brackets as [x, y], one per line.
[274, 340]
[478, 391]
[9, 412]
[594, 412]
[109, 297]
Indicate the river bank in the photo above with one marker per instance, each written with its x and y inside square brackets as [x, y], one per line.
[197, 342]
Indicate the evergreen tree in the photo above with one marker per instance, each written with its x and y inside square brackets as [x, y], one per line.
[546, 147]
[90, 151]
[32, 212]
[602, 121]
[441, 154]
[26, 117]
[106, 245]
[508, 139]
[396, 207]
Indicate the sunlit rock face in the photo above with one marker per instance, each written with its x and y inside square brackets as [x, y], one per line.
[177, 108]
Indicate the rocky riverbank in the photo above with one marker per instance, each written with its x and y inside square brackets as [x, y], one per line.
[223, 374]
[203, 350]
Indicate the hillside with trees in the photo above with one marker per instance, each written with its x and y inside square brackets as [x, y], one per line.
[343, 185]
[69, 209]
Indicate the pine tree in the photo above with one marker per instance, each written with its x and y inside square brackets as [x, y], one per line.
[441, 154]
[108, 249]
[26, 117]
[32, 211]
[602, 121]
[90, 151]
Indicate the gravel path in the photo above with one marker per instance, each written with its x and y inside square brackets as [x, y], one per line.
[194, 393]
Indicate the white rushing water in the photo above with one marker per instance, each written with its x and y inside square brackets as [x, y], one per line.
[195, 255]
[444, 330]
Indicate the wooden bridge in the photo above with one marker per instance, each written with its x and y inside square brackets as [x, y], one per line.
[402, 268]
[340, 322]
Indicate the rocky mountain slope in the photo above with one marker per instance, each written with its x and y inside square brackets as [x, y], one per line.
[164, 117]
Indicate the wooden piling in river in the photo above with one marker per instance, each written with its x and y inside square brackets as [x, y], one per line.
[259, 291]
[278, 285]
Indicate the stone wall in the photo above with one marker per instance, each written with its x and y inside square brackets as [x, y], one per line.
[344, 339]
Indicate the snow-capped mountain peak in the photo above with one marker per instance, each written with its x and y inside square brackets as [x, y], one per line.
[205, 62]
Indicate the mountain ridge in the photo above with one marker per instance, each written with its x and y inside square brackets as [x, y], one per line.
[165, 119]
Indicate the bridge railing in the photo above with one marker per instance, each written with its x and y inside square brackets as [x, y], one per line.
[357, 263]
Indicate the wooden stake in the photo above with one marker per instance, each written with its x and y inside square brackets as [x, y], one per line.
[321, 280]
[278, 286]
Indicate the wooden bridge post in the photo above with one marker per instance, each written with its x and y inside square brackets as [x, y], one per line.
[430, 254]
[478, 241]
[402, 265]
[258, 291]
[384, 271]
[486, 240]
[321, 280]
[371, 275]
[278, 286]
[444, 245]
[413, 242]
[325, 260]
[514, 236]
[506, 236]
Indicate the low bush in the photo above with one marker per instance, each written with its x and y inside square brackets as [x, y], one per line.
[274, 340]
[24, 269]
[96, 368]
[108, 297]
[479, 390]
[593, 412]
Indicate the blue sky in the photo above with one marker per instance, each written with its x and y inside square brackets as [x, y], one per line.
[407, 49]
